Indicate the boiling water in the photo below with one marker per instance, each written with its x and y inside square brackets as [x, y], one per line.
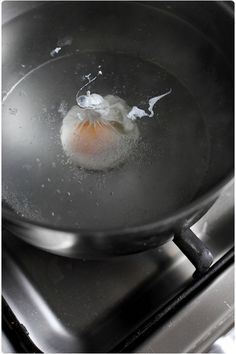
[163, 171]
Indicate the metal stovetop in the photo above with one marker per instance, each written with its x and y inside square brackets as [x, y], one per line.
[130, 303]
[69, 305]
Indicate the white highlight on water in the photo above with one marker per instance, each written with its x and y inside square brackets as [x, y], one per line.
[140, 113]
[136, 113]
[55, 51]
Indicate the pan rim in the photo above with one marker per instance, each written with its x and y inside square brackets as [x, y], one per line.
[148, 228]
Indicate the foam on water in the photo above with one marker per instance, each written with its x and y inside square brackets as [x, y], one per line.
[140, 113]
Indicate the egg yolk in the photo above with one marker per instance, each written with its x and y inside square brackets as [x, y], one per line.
[97, 134]
[90, 137]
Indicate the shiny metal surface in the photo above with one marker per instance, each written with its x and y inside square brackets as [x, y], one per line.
[70, 305]
[6, 345]
[224, 344]
[199, 323]
[133, 219]
[75, 305]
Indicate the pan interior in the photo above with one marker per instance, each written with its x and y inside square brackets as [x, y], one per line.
[165, 171]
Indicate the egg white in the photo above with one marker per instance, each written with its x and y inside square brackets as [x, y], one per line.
[114, 134]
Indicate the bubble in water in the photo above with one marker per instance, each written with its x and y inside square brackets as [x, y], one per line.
[21, 204]
[63, 108]
[39, 163]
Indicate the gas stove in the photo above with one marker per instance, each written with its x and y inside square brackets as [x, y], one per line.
[149, 302]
